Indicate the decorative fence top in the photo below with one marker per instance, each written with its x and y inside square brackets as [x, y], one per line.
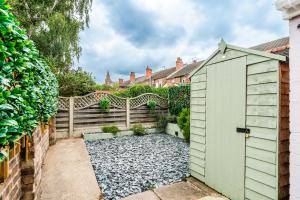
[81, 102]
[144, 98]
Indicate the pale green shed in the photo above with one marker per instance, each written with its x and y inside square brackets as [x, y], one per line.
[239, 123]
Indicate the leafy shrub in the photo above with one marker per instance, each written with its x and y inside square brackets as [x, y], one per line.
[172, 119]
[137, 90]
[111, 129]
[151, 104]
[179, 98]
[162, 121]
[75, 83]
[183, 122]
[28, 88]
[104, 104]
[138, 129]
[161, 91]
[104, 87]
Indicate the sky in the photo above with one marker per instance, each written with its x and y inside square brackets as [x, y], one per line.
[127, 35]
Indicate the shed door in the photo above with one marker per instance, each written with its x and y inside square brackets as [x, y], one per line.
[226, 104]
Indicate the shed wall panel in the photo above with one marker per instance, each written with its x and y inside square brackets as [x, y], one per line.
[198, 123]
[262, 120]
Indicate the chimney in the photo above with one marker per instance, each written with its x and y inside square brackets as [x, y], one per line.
[148, 72]
[132, 76]
[121, 81]
[179, 63]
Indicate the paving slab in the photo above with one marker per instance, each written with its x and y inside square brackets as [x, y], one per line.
[68, 173]
[148, 195]
[179, 191]
[192, 189]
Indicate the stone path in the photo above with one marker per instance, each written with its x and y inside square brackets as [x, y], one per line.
[190, 190]
[68, 173]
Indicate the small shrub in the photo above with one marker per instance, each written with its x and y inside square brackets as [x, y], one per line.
[183, 122]
[151, 105]
[162, 121]
[172, 119]
[138, 129]
[104, 104]
[110, 129]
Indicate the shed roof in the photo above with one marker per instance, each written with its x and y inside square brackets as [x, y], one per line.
[223, 46]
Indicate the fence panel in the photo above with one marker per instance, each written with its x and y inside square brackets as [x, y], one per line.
[78, 115]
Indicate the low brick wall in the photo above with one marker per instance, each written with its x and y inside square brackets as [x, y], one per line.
[10, 189]
[31, 171]
[24, 180]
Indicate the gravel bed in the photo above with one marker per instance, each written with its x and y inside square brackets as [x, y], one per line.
[132, 164]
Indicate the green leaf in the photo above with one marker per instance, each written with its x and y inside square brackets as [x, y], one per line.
[5, 107]
[8, 122]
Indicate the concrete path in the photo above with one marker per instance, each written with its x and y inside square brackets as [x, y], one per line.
[190, 190]
[68, 173]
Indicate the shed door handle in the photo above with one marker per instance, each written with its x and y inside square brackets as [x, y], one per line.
[243, 130]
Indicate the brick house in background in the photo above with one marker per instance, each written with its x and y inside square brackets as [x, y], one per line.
[180, 76]
[159, 78]
[143, 80]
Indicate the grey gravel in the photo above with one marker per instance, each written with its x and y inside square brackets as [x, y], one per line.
[132, 164]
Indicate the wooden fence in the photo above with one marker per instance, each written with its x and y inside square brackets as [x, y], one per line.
[77, 115]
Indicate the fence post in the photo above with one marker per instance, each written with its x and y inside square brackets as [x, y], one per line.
[127, 113]
[71, 116]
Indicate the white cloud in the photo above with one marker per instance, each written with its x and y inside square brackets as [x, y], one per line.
[105, 48]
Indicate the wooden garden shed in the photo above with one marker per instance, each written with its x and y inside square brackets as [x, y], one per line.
[240, 123]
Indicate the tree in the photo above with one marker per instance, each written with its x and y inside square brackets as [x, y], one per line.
[75, 83]
[54, 26]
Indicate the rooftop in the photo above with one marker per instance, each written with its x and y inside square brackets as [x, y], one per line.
[163, 73]
[185, 70]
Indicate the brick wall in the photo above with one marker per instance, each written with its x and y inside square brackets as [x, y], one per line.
[32, 169]
[10, 189]
[24, 180]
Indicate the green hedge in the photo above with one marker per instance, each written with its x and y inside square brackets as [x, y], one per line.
[137, 90]
[179, 98]
[28, 88]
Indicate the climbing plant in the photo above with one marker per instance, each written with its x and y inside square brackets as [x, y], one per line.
[179, 98]
[28, 89]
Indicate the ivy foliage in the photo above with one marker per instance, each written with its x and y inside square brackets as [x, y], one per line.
[179, 98]
[28, 89]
